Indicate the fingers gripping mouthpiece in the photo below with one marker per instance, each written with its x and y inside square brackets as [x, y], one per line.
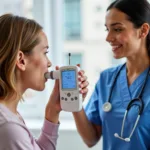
[52, 75]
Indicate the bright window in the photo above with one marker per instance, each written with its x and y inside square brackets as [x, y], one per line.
[72, 20]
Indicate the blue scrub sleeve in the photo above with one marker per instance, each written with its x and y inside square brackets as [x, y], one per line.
[92, 108]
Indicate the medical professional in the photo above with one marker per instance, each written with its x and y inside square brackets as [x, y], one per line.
[119, 108]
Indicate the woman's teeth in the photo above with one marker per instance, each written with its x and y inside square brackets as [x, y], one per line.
[116, 47]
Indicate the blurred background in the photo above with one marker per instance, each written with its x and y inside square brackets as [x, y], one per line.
[72, 26]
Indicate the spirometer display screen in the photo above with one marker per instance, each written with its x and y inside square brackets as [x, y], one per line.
[68, 79]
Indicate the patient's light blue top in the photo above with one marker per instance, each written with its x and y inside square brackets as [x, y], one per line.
[111, 122]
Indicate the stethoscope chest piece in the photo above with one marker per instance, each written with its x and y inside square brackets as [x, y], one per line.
[107, 107]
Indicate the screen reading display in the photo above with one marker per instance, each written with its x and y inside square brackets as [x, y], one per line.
[68, 79]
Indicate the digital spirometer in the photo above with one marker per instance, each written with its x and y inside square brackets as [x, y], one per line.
[70, 98]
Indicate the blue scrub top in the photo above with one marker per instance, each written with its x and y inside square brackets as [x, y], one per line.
[111, 122]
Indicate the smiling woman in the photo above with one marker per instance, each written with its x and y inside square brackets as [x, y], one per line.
[23, 64]
[122, 35]
[119, 106]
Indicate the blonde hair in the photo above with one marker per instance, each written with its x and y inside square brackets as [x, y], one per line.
[16, 33]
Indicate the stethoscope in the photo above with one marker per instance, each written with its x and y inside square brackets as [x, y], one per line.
[108, 106]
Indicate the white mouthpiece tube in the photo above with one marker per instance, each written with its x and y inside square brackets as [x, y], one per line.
[52, 75]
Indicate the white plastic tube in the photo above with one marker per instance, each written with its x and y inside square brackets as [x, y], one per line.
[52, 75]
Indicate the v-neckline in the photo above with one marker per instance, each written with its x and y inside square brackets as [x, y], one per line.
[126, 90]
[138, 81]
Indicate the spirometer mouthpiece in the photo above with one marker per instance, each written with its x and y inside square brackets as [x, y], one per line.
[52, 75]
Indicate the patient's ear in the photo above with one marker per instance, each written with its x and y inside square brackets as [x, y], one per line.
[21, 62]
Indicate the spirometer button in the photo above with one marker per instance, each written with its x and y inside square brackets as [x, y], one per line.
[68, 94]
[75, 98]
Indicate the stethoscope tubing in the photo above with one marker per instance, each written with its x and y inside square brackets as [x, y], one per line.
[108, 106]
[138, 99]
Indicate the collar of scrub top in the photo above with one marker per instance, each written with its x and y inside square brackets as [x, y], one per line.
[107, 106]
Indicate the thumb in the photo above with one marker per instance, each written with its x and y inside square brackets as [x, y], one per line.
[56, 86]
[78, 65]
[57, 67]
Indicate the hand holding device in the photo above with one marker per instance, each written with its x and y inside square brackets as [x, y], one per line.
[70, 97]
